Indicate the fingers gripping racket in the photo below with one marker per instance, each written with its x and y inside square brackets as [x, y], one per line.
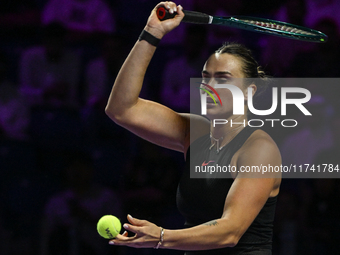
[265, 26]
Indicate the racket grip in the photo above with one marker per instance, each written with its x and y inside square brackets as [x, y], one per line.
[190, 16]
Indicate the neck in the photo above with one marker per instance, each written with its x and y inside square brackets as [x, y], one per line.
[222, 134]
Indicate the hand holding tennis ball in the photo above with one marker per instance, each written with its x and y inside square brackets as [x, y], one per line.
[109, 226]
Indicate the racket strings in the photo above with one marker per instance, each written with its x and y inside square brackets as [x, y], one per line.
[278, 27]
[297, 36]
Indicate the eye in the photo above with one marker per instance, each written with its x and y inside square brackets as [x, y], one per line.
[222, 80]
[205, 80]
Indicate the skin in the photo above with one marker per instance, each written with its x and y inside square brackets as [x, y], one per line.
[224, 68]
[160, 125]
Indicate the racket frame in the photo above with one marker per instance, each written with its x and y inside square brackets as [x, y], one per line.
[240, 22]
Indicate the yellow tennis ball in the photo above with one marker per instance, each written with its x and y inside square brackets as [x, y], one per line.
[109, 226]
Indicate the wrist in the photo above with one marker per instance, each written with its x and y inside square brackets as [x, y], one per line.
[161, 239]
[154, 31]
[151, 39]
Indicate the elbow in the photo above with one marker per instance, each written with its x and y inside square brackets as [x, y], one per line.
[112, 113]
[234, 241]
[117, 114]
[230, 241]
[108, 111]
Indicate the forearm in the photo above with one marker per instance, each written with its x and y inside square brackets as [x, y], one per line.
[129, 81]
[215, 234]
[149, 120]
[128, 84]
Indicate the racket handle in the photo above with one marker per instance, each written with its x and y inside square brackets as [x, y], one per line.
[190, 16]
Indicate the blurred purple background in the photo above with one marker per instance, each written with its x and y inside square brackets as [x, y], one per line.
[64, 164]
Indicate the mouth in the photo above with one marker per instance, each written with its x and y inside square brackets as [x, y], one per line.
[211, 101]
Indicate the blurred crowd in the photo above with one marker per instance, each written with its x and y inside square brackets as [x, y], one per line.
[64, 163]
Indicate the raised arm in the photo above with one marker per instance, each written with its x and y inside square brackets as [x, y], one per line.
[149, 120]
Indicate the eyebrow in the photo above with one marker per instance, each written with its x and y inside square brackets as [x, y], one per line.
[218, 73]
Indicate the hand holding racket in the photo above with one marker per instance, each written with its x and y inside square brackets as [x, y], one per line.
[158, 28]
[265, 26]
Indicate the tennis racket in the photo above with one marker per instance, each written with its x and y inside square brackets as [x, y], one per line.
[265, 26]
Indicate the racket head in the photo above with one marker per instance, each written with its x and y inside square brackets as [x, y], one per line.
[272, 27]
[261, 25]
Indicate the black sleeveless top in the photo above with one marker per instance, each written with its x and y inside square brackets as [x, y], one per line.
[202, 199]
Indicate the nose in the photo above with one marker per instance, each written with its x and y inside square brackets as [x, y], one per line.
[208, 84]
[204, 88]
[207, 89]
[210, 81]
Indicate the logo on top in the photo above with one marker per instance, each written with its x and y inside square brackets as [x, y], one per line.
[205, 164]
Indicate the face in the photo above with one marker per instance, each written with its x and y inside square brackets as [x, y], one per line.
[222, 69]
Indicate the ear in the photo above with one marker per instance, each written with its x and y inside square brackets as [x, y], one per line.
[253, 89]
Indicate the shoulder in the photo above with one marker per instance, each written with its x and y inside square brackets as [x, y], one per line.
[196, 127]
[260, 138]
[199, 126]
[259, 149]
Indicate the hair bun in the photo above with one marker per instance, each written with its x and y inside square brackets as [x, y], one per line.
[261, 73]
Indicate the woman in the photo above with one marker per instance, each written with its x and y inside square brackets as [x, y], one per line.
[224, 216]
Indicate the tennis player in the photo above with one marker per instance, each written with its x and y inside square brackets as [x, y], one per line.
[223, 215]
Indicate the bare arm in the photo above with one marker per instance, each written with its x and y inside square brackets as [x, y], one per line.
[244, 201]
[149, 120]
